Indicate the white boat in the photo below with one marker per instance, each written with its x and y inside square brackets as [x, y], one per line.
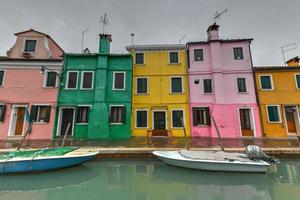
[212, 161]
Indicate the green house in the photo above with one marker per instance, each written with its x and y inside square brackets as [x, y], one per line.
[94, 98]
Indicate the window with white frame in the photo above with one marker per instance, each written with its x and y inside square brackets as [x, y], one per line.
[297, 79]
[266, 82]
[117, 114]
[177, 118]
[141, 118]
[273, 113]
[50, 79]
[119, 81]
[30, 46]
[72, 77]
[241, 84]
[2, 112]
[173, 56]
[87, 80]
[198, 55]
[142, 85]
[201, 116]
[176, 85]
[83, 114]
[139, 58]
[2, 73]
[238, 53]
[40, 113]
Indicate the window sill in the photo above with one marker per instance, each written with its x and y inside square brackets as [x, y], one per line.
[174, 63]
[40, 123]
[31, 52]
[45, 87]
[82, 123]
[202, 126]
[70, 88]
[267, 89]
[141, 94]
[208, 93]
[87, 89]
[118, 89]
[141, 128]
[275, 122]
[139, 65]
[243, 92]
[116, 123]
[177, 128]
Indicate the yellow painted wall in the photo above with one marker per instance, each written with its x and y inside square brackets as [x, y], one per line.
[285, 93]
[159, 72]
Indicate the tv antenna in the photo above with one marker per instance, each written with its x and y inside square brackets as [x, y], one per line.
[104, 21]
[132, 37]
[82, 37]
[181, 39]
[219, 14]
[286, 48]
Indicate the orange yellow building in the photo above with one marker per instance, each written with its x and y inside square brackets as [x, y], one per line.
[278, 92]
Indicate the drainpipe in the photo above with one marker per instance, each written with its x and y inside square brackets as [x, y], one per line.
[256, 94]
[188, 88]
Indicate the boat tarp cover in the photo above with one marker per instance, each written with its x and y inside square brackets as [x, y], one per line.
[42, 152]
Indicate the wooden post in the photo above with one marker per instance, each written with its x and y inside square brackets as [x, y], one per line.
[219, 136]
[65, 136]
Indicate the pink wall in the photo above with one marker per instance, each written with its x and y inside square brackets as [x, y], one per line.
[225, 101]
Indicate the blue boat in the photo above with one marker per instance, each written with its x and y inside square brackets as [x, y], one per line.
[43, 160]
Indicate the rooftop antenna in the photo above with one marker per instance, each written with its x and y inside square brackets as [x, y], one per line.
[82, 37]
[218, 14]
[104, 21]
[181, 39]
[286, 48]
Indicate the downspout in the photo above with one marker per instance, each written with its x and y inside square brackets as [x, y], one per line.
[188, 88]
[256, 93]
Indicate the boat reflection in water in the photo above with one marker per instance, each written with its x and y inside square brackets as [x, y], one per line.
[151, 180]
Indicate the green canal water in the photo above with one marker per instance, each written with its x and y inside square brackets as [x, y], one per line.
[151, 179]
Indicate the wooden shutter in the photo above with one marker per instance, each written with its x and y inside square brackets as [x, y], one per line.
[123, 114]
[195, 123]
[48, 111]
[33, 113]
[208, 116]
[2, 116]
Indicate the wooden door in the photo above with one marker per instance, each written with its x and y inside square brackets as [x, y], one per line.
[20, 121]
[245, 121]
[66, 118]
[159, 120]
[290, 119]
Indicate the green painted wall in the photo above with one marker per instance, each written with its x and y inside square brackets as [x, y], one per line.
[101, 97]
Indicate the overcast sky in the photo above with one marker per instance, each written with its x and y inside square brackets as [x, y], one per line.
[272, 23]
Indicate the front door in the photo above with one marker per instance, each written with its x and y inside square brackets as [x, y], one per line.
[290, 112]
[67, 117]
[20, 121]
[159, 124]
[245, 121]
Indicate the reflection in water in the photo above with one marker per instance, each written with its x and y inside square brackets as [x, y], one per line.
[149, 180]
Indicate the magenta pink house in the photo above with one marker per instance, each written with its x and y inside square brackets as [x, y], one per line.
[24, 86]
[221, 85]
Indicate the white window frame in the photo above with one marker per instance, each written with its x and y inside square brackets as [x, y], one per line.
[202, 55]
[46, 77]
[279, 113]
[2, 84]
[295, 76]
[252, 121]
[59, 122]
[139, 52]
[212, 86]
[38, 113]
[183, 114]
[169, 53]
[271, 79]
[116, 105]
[67, 81]
[81, 82]
[136, 85]
[237, 85]
[82, 105]
[135, 118]
[242, 53]
[182, 86]
[124, 81]
[202, 107]
[24, 45]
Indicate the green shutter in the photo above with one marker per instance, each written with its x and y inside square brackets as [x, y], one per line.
[273, 113]
[123, 114]
[48, 111]
[33, 113]
[195, 121]
[2, 116]
[208, 116]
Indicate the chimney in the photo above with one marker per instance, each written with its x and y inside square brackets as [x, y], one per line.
[104, 43]
[293, 62]
[213, 32]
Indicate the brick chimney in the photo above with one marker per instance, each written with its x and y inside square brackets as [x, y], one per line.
[104, 43]
[213, 32]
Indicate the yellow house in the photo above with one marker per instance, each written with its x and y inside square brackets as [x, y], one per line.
[278, 91]
[160, 90]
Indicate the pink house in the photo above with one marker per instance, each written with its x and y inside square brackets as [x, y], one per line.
[221, 85]
[24, 86]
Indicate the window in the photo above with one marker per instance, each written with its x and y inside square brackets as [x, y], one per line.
[40, 113]
[2, 112]
[117, 114]
[141, 119]
[139, 58]
[297, 77]
[238, 53]
[50, 79]
[2, 77]
[177, 118]
[196, 81]
[173, 57]
[119, 81]
[87, 80]
[83, 114]
[176, 85]
[198, 54]
[241, 82]
[30, 46]
[201, 116]
[273, 113]
[266, 82]
[72, 80]
[141, 85]
[207, 85]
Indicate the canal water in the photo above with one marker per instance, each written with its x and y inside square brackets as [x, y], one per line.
[151, 179]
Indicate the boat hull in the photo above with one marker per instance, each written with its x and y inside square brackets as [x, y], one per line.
[43, 163]
[175, 159]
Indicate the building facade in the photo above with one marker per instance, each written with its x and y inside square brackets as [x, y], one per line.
[160, 90]
[278, 89]
[95, 94]
[222, 87]
[23, 86]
